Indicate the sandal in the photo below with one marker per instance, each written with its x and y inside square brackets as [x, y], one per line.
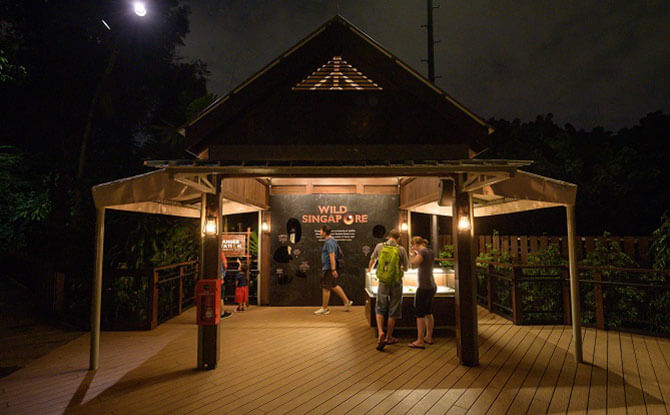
[392, 340]
[380, 342]
[427, 342]
[414, 346]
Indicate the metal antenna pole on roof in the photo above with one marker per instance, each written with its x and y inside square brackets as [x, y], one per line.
[338, 7]
[431, 43]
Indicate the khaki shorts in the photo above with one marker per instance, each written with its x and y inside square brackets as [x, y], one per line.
[389, 300]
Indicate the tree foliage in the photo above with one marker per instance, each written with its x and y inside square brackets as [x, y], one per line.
[24, 199]
[65, 48]
[660, 246]
[620, 176]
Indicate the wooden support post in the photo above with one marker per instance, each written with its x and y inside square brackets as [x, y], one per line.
[565, 288]
[600, 308]
[264, 257]
[517, 309]
[209, 342]
[489, 287]
[574, 282]
[467, 344]
[96, 294]
[153, 300]
[181, 287]
[405, 236]
[434, 235]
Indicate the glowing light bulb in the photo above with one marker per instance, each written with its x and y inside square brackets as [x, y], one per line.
[403, 227]
[140, 8]
[463, 223]
[210, 227]
[265, 227]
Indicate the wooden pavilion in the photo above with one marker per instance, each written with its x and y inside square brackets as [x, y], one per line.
[337, 114]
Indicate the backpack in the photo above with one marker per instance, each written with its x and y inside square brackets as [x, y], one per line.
[388, 266]
[339, 258]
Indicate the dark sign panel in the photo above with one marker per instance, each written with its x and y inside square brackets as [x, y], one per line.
[358, 222]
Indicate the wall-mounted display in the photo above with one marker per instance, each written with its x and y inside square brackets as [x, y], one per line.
[358, 223]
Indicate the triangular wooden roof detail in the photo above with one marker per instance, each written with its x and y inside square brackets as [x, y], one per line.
[336, 74]
[395, 105]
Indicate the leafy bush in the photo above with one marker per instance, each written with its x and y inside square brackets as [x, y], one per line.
[447, 251]
[138, 242]
[660, 245]
[125, 301]
[624, 305]
[501, 288]
[25, 205]
[542, 300]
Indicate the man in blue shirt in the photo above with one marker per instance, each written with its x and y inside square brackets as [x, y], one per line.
[329, 274]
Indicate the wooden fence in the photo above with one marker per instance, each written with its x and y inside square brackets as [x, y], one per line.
[519, 247]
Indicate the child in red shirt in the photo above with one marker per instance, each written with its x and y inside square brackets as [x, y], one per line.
[241, 288]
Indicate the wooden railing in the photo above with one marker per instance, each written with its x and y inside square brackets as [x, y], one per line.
[521, 247]
[143, 299]
[629, 299]
[171, 290]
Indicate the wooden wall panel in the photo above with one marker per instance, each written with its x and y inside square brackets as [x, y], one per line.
[346, 189]
[289, 189]
[419, 191]
[340, 186]
[380, 189]
[246, 191]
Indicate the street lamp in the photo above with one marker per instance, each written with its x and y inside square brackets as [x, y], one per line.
[140, 8]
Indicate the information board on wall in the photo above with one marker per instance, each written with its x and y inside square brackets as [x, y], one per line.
[358, 223]
[234, 245]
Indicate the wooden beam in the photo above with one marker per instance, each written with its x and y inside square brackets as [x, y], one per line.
[466, 297]
[574, 283]
[264, 258]
[209, 344]
[96, 295]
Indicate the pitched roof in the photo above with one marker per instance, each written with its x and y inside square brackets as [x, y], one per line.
[361, 62]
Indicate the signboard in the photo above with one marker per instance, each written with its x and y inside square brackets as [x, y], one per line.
[234, 245]
[358, 223]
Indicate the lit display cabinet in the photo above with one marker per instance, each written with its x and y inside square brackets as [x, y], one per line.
[444, 278]
[443, 303]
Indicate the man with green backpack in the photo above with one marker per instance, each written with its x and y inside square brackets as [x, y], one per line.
[392, 262]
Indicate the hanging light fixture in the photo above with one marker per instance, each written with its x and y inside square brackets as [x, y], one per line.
[210, 227]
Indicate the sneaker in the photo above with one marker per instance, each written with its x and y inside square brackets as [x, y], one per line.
[226, 315]
[322, 312]
[347, 306]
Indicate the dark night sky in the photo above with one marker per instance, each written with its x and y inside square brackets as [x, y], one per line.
[588, 62]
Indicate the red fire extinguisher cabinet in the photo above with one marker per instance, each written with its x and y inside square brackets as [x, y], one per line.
[208, 302]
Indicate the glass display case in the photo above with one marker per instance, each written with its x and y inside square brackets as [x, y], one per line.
[444, 278]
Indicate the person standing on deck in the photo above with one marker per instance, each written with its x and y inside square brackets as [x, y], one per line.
[389, 292]
[224, 269]
[329, 273]
[423, 258]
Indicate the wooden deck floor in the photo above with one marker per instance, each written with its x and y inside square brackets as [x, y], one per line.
[285, 360]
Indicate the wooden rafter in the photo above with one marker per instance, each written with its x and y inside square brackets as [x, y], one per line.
[478, 181]
[196, 181]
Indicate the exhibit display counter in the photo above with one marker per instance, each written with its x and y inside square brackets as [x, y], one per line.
[443, 303]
